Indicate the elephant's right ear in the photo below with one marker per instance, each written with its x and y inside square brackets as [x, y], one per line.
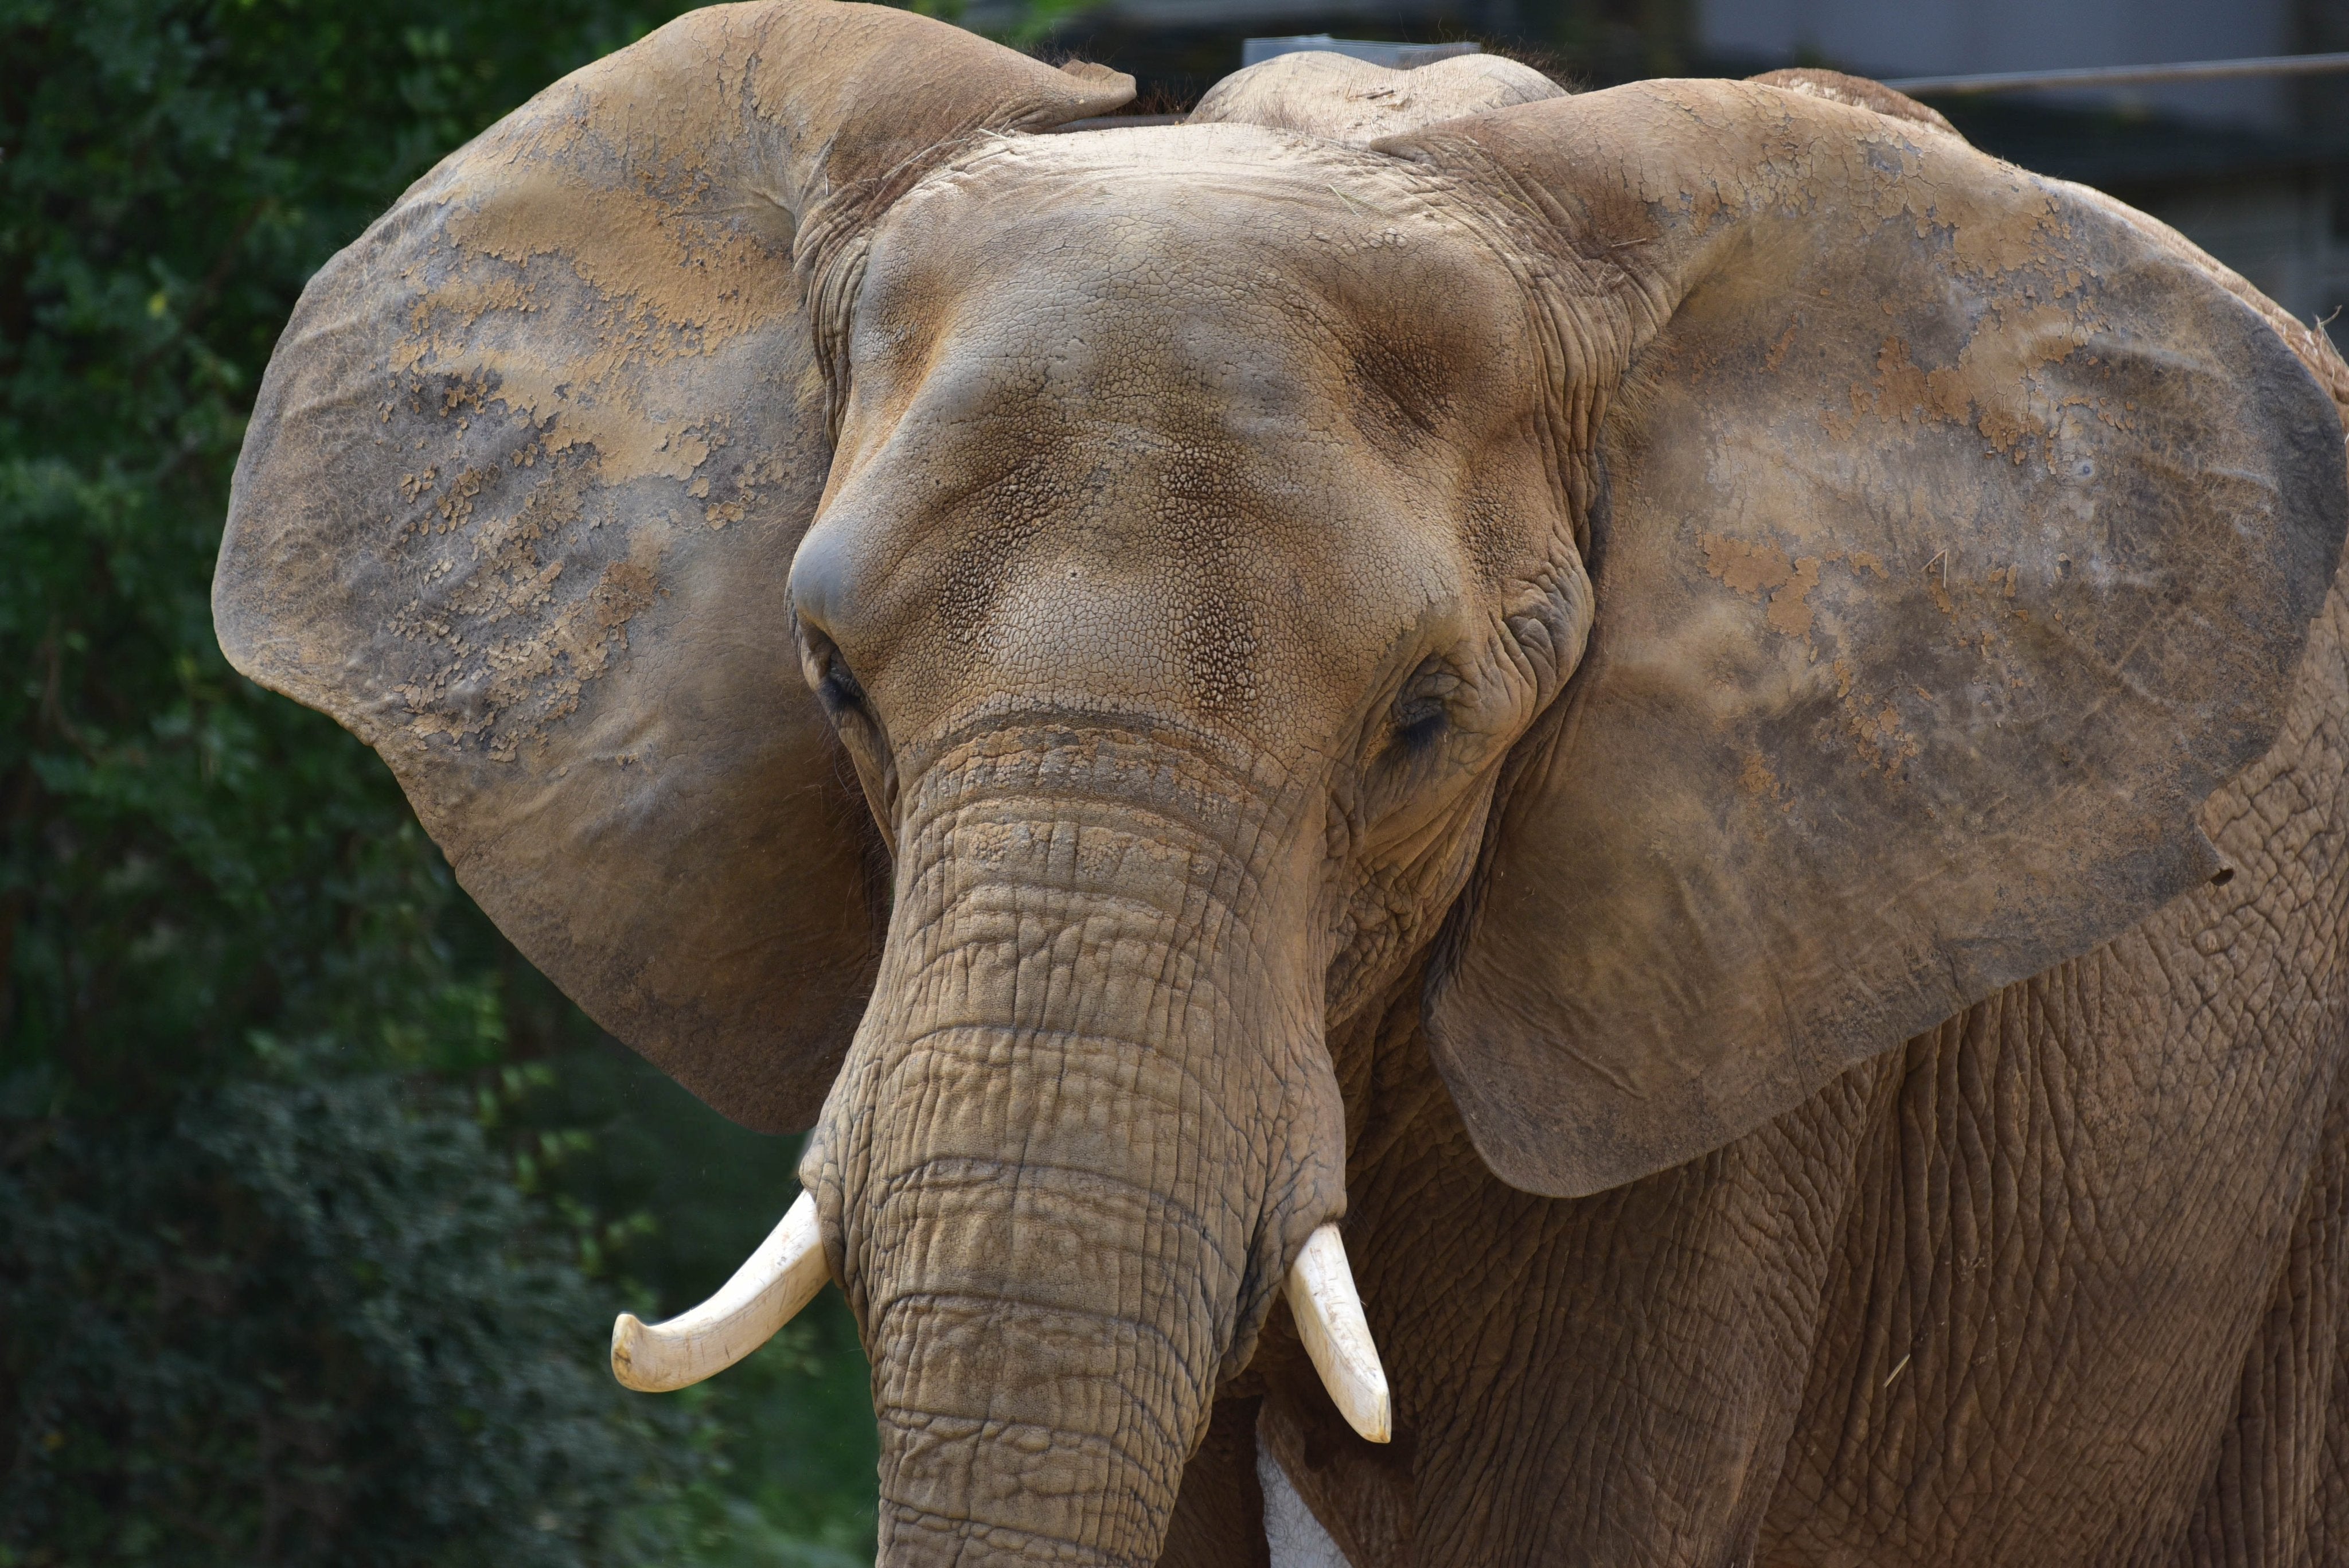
[1954, 534]
[522, 492]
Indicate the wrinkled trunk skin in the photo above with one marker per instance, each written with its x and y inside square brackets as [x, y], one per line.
[1086, 1123]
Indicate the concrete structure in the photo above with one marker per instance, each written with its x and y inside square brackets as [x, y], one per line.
[2252, 170]
[1949, 38]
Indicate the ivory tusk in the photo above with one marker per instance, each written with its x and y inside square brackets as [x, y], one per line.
[1329, 1314]
[782, 1276]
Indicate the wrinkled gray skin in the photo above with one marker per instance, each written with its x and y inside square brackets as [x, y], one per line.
[1425, 652]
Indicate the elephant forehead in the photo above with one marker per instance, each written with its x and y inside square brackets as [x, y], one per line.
[1223, 263]
[1196, 416]
[1160, 567]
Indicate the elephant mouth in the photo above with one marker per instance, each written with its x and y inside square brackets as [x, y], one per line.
[788, 1269]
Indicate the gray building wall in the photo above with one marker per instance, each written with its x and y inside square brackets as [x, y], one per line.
[2281, 218]
[1948, 38]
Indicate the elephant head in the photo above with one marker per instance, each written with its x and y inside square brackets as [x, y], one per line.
[996, 644]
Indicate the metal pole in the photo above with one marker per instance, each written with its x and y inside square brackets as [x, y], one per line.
[2127, 75]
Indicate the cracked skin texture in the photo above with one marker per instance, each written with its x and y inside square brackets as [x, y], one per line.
[1713, 718]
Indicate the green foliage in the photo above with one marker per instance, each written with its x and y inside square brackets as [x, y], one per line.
[790, 1478]
[305, 1323]
[313, 1199]
[192, 867]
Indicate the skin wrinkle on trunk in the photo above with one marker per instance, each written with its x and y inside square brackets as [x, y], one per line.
[1086, 1123]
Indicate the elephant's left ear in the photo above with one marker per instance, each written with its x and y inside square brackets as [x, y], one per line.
[1953, 535]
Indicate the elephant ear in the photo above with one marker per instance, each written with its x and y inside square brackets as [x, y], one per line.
[1952, 537]
[522, 491]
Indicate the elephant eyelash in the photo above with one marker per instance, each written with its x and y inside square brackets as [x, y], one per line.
[839, 692]
[1422, 712]
[836, 688]
[1418, 723]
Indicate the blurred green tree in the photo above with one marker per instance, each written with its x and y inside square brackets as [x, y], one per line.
[315, 1200]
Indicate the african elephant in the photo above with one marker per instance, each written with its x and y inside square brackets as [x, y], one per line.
[1714, 720]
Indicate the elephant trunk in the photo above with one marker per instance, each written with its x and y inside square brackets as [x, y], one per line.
[1088, 1123]
[1044, 1351]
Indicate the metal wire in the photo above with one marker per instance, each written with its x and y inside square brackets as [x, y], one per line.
[2127, 75]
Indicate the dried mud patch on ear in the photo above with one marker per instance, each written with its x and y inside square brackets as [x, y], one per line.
[1759, 571]
[500, 279]
[697, 282]
[531, 597]
[2024, 236]
[1993, 383]
[515, 585]
[505, 631]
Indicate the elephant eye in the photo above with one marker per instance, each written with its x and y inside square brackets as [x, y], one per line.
[860, 732]
[838, 691]
[1418, 723]
[836, 685]
[1423, 710]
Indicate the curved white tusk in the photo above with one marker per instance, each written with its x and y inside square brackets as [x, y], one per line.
[1329, 1313]
[782, 1276]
